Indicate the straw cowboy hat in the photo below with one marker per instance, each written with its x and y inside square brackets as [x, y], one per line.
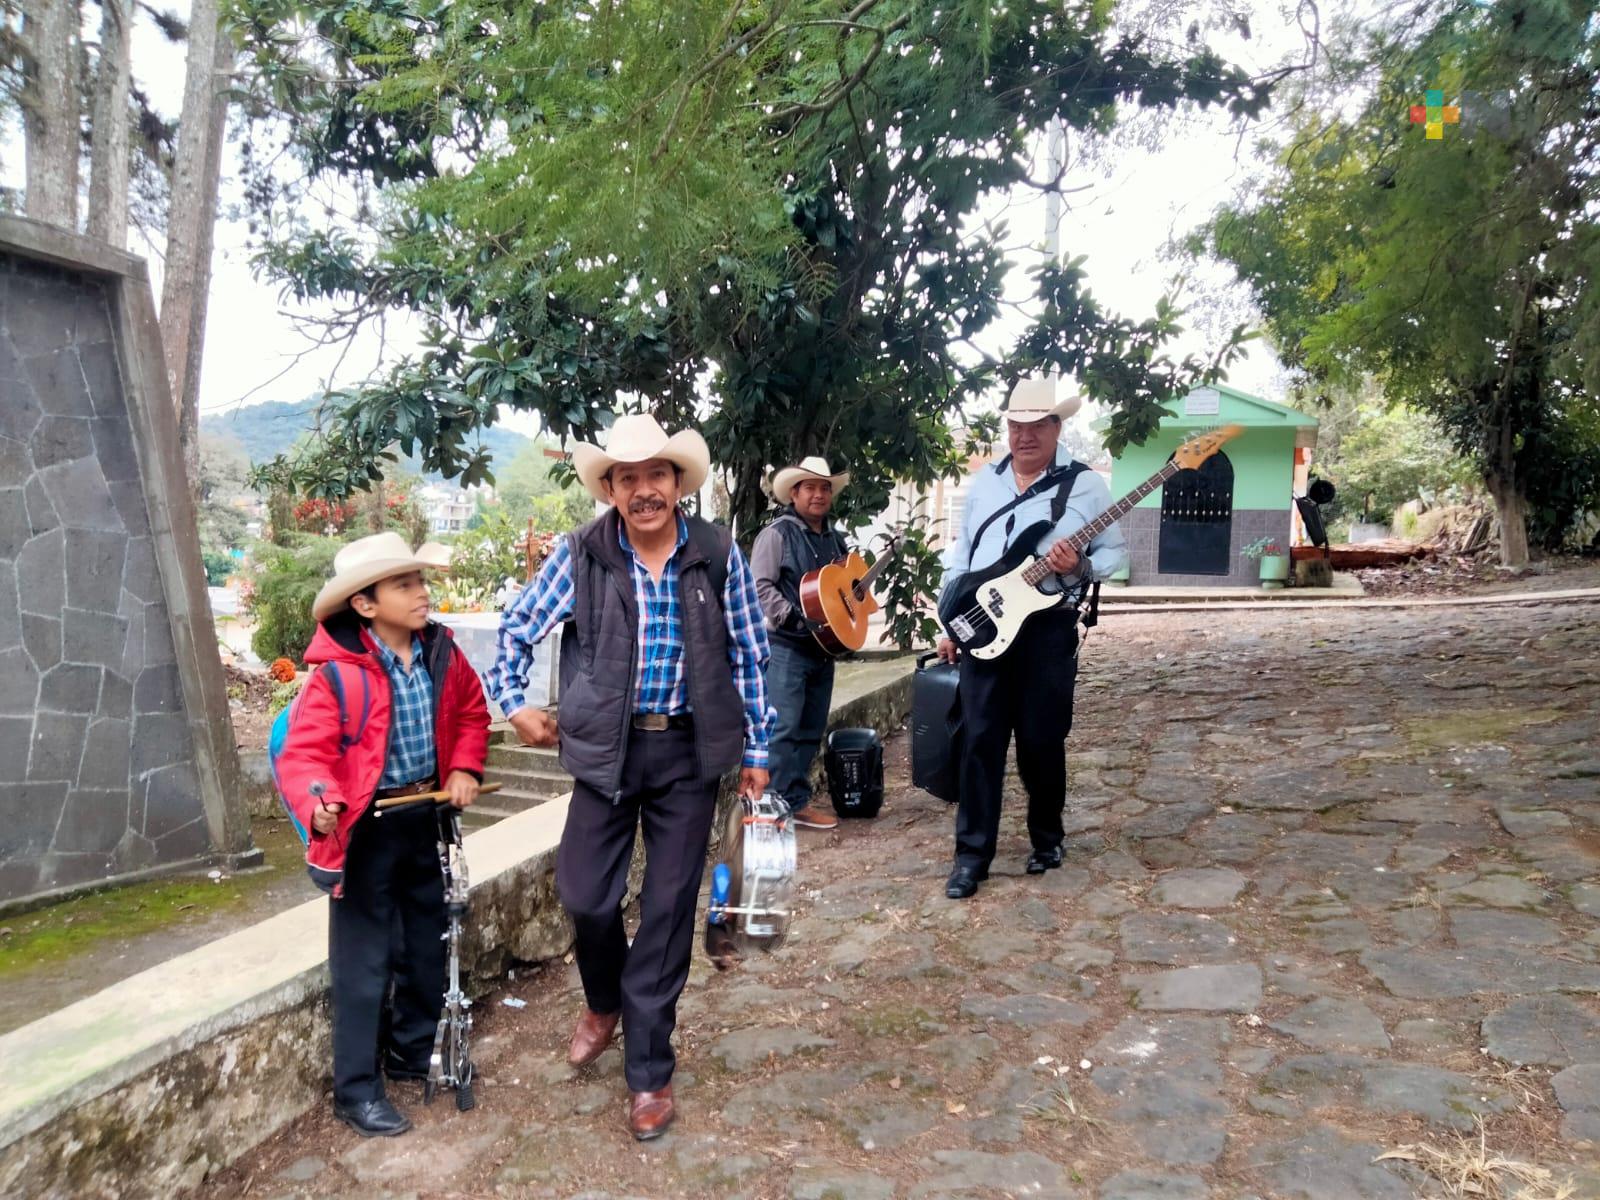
[638, 439]
[367, 560]
[1035, 399]
[784, 481]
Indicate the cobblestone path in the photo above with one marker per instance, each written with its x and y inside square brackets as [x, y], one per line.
[1326, 932]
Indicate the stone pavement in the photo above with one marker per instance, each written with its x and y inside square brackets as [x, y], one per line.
[1326, 932]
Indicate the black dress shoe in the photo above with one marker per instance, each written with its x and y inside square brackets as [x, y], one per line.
[396, 1067]
[963, 882]
[373, 1118]
[1041, 861]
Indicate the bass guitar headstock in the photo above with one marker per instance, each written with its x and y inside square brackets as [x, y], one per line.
[1202, 446]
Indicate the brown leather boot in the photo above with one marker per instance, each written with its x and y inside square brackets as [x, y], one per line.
[591, 1037]
[650, 1113]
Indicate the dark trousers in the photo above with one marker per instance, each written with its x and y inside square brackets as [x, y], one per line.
[387, 926]
[1026, 691]
[662, 790]
[800, 688]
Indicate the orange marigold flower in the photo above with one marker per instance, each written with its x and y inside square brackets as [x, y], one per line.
[282, 669]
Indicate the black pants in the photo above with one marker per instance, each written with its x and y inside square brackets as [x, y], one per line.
[388, 925]
[1026, 691]
[662, 790]
[800, 689]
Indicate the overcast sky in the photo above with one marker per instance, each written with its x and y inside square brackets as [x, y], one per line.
[1122, 216]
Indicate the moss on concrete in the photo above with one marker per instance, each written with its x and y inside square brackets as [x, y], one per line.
[48, 936]
[1445, 730]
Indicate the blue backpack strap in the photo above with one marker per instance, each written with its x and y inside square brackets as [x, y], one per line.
[335, 676]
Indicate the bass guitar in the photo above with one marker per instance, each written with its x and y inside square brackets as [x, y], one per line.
[837, 600]
[985, 610]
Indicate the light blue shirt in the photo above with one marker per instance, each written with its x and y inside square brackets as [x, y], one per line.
[992, 490]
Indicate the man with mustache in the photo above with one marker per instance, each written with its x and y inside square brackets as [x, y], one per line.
[661, 693]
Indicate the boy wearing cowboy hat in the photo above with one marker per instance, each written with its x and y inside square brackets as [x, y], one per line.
[391, 708]
[1027, 691]
[661, 693]
[800, 671]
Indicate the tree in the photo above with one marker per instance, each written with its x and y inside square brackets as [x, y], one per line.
[1455, 271]
[50, 109]
[754, 218]
[1381, 457]
[525, 488]
[192, 220]
[224, 484]
[109, 147]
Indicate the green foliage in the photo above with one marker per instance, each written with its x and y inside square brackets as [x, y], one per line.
[1261, 548]
[908, 592]
[283, 695]
[284, 581]
[1456, 272]
[217, 567]
[224, 484]
[755, 218]
[527, 488]
[484, 556]
[1381, 456]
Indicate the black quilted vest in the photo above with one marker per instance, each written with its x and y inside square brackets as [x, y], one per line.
[599, 650]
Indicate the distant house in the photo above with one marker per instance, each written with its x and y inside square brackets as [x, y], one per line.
[448, 508]
[1189, 533]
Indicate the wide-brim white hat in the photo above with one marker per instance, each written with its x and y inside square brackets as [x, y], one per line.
[367, 560]
[637, 439]
[784, 481]
[1035, 399]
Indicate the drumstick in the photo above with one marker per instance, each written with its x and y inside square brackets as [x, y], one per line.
[438, 797]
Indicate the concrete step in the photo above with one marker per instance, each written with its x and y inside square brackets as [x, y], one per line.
[524, 757]
[515, 777]
[481, 816]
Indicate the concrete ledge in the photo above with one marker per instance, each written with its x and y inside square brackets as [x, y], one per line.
[146, 1087]
[143, 1088]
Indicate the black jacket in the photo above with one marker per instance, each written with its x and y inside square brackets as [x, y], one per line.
[783, 552]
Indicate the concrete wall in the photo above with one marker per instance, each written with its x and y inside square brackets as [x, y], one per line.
[1263, 479]
[231, 1041]
[116, 753]
[1142, 528]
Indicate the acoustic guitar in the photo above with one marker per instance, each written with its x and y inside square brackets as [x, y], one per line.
[987, 607]
[837, 600]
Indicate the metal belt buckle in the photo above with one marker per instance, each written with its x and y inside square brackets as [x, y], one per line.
[654, 722]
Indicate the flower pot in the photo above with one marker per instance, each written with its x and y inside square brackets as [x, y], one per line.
[1274, 570]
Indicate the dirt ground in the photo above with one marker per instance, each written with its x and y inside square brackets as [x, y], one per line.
[1326, 932]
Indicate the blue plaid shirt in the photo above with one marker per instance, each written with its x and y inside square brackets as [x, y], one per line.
[412, 754]
[660, 684]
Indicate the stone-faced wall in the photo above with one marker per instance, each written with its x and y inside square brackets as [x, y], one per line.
[1142, 528]
[103, 773]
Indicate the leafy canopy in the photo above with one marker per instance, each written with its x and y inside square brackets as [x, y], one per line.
[757, 218]
[1457, 272]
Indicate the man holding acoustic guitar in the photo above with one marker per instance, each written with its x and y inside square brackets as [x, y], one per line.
[1018, 677]
[799, 542]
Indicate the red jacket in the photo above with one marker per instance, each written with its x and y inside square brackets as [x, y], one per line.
[348, 760]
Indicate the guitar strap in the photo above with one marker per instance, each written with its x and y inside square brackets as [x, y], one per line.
[1060, 478]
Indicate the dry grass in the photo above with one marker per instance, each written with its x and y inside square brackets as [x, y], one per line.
[1058, 1105]
[1469, 1170]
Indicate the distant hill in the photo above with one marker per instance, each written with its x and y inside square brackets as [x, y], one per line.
[269, 429]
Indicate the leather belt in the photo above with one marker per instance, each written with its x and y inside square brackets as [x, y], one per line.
[656, 722]
[406, 789]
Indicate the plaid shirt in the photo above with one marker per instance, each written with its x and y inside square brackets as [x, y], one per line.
[659, 683]
[412, 755]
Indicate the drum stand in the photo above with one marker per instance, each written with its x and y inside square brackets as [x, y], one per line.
[450, 1064]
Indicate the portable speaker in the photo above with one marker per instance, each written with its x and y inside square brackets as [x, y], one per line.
[855, 772]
